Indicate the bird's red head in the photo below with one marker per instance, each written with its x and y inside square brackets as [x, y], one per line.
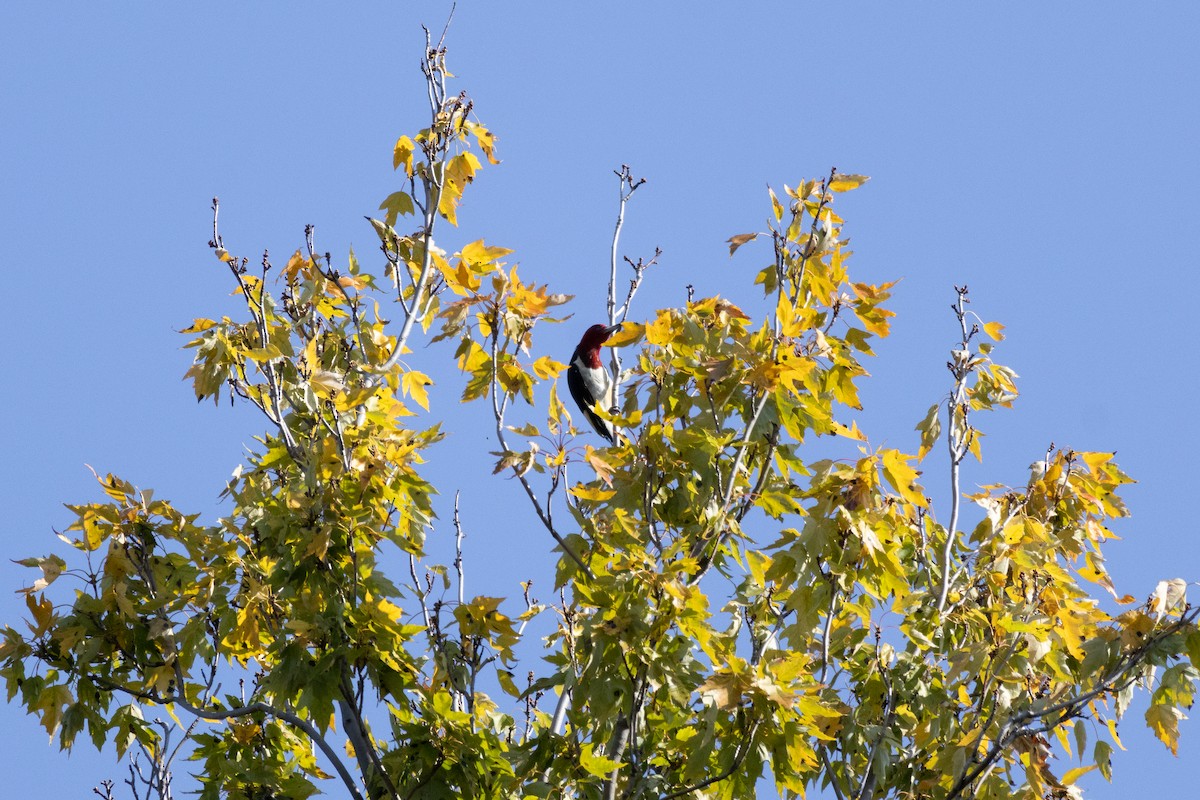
[597, 335]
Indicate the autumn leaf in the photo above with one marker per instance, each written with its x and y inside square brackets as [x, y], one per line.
[414, 384]
[845, 183]
[395, 204]
[198, 325]
[930, 429]
[1168, 596]
[593, 493]
[595, 763]
[51, 702]
[546, 367]
[737, 241]
[480, 254]
[1164, 721]
[902, 477]
[51, 566]
[403, 154]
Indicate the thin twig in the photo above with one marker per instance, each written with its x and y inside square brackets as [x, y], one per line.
[434, 180]
[958, 439]
[458, 553]
[498, 413]
[627, 185]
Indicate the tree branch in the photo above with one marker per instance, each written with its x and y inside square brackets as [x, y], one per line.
[958, 439]
[498, 413]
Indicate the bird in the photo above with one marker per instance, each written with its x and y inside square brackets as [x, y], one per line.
[589, 381]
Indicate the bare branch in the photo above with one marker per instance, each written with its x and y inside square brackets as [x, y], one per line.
[958, 439]
[627, 185]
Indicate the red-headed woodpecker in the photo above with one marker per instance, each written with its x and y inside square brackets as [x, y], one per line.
[589, 381]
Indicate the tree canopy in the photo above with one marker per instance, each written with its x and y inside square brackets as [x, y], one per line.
[748, 589]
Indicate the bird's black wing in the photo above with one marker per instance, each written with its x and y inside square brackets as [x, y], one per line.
[583, 399]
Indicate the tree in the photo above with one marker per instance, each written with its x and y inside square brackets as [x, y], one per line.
[738, 595]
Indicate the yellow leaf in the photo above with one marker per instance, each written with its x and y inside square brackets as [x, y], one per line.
[902, 477]
[844, 183]
[486, 140]
[931, 429]
[43, 613]
[973, 445]
[1013, 532]
[263, 354]
[1135, 627]
[604, 470]
[1112, 731]
[390, 610]
[596, 763]
[395, 204]
[546, 367]
[789, 323]
[1094, 572]
[414, 384]
[1096, 460]
[1164, 721]
[244, 732]
[198, 325]
[851, 432]
[461, 169]
[507, 683]
[629, 333]
[448, 204]
[994, 330]
[51, 702]
[1077, 773]
[480, 254]
[591, 492]
[326, 382]
[775, 206]
[1072, 631]
[403, 154]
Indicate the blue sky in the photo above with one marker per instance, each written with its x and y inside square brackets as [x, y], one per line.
[1043, 154]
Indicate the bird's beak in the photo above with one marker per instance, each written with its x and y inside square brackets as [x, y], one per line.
[611, 329]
